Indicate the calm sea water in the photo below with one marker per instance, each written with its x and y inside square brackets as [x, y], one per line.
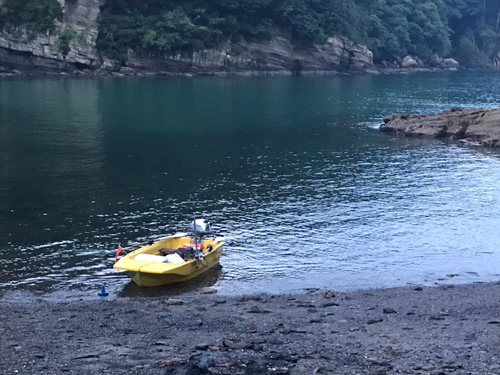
[292, 170]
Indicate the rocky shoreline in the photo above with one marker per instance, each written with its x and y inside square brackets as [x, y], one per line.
[414, 330]
[471, 127]
[124, 72]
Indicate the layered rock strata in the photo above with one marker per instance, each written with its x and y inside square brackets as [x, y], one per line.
[469, 126]
[276, 56]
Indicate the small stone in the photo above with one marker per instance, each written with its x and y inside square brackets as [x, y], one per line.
[330, 304]
[374, 321]
[174, 302]
[373, 360]
[168, 362]
[436, 317]
[249, 298]
[162, 343]
[203, 346]
[330, 294]
[388, 310]
[257, 310]
[87, 355]
[209, 291]
[237, 345]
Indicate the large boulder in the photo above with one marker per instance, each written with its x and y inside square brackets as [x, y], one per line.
[409, 62]
[474, 126]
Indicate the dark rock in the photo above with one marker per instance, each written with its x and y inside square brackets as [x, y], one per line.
[436, 317]
[203, 346]
[388, 310]
[330, 294]
[258, 310]
[329, 304]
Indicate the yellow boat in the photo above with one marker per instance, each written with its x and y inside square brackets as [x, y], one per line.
[172, 259]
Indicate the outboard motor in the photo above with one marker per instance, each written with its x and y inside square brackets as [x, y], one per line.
[201, 227]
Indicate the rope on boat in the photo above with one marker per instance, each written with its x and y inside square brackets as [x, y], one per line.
[136, 277]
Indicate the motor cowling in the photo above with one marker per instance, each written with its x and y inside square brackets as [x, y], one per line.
[201, 227]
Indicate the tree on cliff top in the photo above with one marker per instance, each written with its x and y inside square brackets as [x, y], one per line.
[36, 16]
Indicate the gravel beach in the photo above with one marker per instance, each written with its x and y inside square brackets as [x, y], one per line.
[414, 330]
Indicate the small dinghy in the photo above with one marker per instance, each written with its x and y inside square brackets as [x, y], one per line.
[172, 259]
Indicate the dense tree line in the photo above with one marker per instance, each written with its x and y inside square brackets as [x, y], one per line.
[37, 16]
[465, 29]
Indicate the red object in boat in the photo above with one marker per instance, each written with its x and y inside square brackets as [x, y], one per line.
[193, 245]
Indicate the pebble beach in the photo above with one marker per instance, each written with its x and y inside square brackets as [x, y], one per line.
[445, 329]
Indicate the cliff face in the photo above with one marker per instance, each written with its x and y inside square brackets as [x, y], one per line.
[20, 53]
[270, 57]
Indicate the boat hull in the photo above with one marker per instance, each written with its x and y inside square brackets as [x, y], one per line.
[154, 279]
[146, 273]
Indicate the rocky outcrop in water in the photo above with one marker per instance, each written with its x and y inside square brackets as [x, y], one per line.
[469, 126]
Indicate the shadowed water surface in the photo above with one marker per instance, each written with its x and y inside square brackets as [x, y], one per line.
[292, 171]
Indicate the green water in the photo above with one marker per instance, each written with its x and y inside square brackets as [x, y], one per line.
[292, 170]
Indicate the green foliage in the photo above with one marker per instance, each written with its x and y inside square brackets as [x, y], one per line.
[65, 38]
[466, 29]
[390, 28]
[119, 32]
[173, 30]
[469, 55]
[401, 27]
[37, 16]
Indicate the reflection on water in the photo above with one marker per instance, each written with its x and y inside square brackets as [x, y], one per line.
[292, 171]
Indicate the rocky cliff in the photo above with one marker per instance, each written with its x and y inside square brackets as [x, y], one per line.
[20, 53]
[469, 126]
[276, 56]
